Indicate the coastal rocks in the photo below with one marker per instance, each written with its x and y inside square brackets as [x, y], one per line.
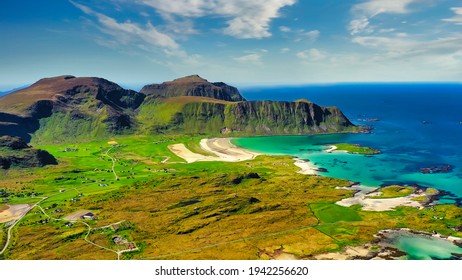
[382, 199]
[436, 169]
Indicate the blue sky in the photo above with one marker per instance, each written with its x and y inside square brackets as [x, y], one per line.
[243, 42]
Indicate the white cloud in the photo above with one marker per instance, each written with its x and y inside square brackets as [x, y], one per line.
[128, 32]
[387, 30]
[246, 19]
[312, 54]
[285, 50]
[253, 58]
[443, 54]
[284, 29]
[375, 7]
[301, 35]
[359, 25]
[312, 35]
[457, 19]
[367, 10]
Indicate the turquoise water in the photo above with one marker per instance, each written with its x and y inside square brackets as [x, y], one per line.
[419, 247]
[406, 143]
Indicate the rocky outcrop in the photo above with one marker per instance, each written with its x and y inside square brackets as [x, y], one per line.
[14, 152]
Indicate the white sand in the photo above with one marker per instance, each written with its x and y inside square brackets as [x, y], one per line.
[222, 148]
[365, 199]
[331, 149]
[13, 212]
[306, 167]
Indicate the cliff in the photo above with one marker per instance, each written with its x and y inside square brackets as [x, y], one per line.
[245, 118]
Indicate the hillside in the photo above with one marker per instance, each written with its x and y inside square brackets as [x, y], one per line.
[194, 86]
[66, 108]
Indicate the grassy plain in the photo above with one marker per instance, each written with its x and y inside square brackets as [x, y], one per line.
[201, 210]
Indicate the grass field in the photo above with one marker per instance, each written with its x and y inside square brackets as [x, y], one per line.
[356, 149]
[190, 211]
[393, 192]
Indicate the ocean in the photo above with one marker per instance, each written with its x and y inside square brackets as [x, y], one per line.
[414, 125]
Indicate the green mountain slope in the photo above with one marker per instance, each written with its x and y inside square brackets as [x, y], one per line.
[199, 115]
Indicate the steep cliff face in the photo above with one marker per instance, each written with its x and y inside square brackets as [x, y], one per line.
[194, 86]
[68, 107]
[263, 118]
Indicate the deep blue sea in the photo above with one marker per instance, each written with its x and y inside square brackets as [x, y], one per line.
[407, 144]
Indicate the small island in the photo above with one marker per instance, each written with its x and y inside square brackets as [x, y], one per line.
[353, 149]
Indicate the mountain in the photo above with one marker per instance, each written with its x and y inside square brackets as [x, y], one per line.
[14, 152]
[67, 108]
[194, 86]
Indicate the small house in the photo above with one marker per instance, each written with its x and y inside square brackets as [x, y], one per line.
[88, 216]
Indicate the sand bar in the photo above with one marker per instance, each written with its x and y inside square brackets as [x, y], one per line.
[13, 212]
[330, 149]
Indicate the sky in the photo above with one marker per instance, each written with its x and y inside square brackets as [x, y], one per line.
[243, 42]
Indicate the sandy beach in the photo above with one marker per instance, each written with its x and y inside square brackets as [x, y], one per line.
[222, 148]
[306, 167]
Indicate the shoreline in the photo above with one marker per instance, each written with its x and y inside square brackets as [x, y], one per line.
[224, 150]
[306, 167]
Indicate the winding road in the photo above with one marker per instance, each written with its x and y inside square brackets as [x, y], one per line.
[113, 163]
